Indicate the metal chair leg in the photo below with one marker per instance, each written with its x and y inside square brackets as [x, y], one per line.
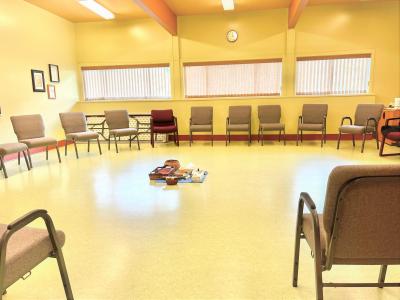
[177, 138]
[297, 137]
[65, 147]
[301, 135]
[130, 142]
[26, 160]
[382, 146]
[58, 154]
[98, 144]
[382, 275]
[354, 140]
[30, 158]
[262, 137]
[296, 255]
[226, 138]
[76, 150]
[19, 158]
[284, 137]
[279, 137]
[363, 143]
[377, 141]
[116, 144]
[88, 146]
[3, 166]
[137, 141]
[109, 143]
[212, 138]
[190, 138]
[47, 152]
[338, 141]
[322, 139]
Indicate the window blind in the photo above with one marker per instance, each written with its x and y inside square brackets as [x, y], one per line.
[127, 82]
[233, 79]
[335, 75]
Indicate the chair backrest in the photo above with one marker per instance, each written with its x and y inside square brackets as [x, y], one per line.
[162, 117]
[117, 119]
[73, 122]
[361, 214]
[269, 113]
[240, 114]
[28, 126]
[202, 115]
[366, 111]
[314, 113]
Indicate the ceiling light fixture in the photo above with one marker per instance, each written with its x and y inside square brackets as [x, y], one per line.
[228, 4]
[97, 9]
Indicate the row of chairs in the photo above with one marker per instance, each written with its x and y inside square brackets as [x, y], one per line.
[350, 231]
[313, 118]
[30, 129]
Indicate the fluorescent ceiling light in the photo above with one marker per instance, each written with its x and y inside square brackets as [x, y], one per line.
[228, 4]
[97, 9]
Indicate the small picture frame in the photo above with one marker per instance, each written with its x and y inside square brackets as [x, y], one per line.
[51, 91]
[38, 83]
[54, 73]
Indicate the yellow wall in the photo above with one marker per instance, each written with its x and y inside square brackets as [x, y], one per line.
[32, 38]
[333, 29]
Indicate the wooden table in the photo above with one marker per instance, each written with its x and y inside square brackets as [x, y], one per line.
[387, 114]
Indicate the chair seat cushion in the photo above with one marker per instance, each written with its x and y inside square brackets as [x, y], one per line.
[165, 129]
[12, 148]
[25, 250]
[200, 127]
[311, 127]
[123, 131]
[238, 127]
[83, 136]
[309, 234]
[39, 142]
[272, 126]
[395, 136]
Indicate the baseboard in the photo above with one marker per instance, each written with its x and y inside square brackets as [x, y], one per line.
[268, 137]
[38, 150]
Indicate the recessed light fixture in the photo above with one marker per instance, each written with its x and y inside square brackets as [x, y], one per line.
[97, 9]
[228, 4]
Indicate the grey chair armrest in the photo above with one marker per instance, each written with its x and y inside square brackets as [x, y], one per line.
[27, 219]
[306, 199]
[346, 118]
[371, 120]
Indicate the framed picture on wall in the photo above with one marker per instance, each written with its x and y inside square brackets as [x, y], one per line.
[54, 73]
[51, 91]
[38, 84]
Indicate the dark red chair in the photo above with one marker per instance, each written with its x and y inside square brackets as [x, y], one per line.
[392, 133]
[164, 122]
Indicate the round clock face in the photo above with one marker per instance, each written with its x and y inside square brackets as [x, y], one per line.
[232, 36]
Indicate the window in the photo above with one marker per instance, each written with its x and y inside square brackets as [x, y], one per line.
[127, 82]
[335, 75]
[233, 79]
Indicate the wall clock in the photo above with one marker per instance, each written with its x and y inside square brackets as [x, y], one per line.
[232, 36]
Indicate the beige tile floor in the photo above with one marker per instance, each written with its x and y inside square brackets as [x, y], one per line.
[229, 238]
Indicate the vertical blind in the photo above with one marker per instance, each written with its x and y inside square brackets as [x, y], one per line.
[336, 75]
[230, 79]
[127, 82]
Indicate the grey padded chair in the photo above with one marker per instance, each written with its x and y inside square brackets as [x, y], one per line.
[118, 125]
[366, 121]
[201, 120]
[30, 130]
[313, 118]
[23, 248]
[359, 224]
[238, 120]
[269, 117]
[75, 128]
[7, 149]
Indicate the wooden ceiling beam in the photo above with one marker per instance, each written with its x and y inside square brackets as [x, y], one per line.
[295, 10]
[160, 12]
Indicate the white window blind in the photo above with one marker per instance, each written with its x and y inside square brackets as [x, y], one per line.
[340, 75]
[233, 79]
[127, 82]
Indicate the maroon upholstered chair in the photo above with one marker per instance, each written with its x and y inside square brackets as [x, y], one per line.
[390, 132]
[164, 122]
